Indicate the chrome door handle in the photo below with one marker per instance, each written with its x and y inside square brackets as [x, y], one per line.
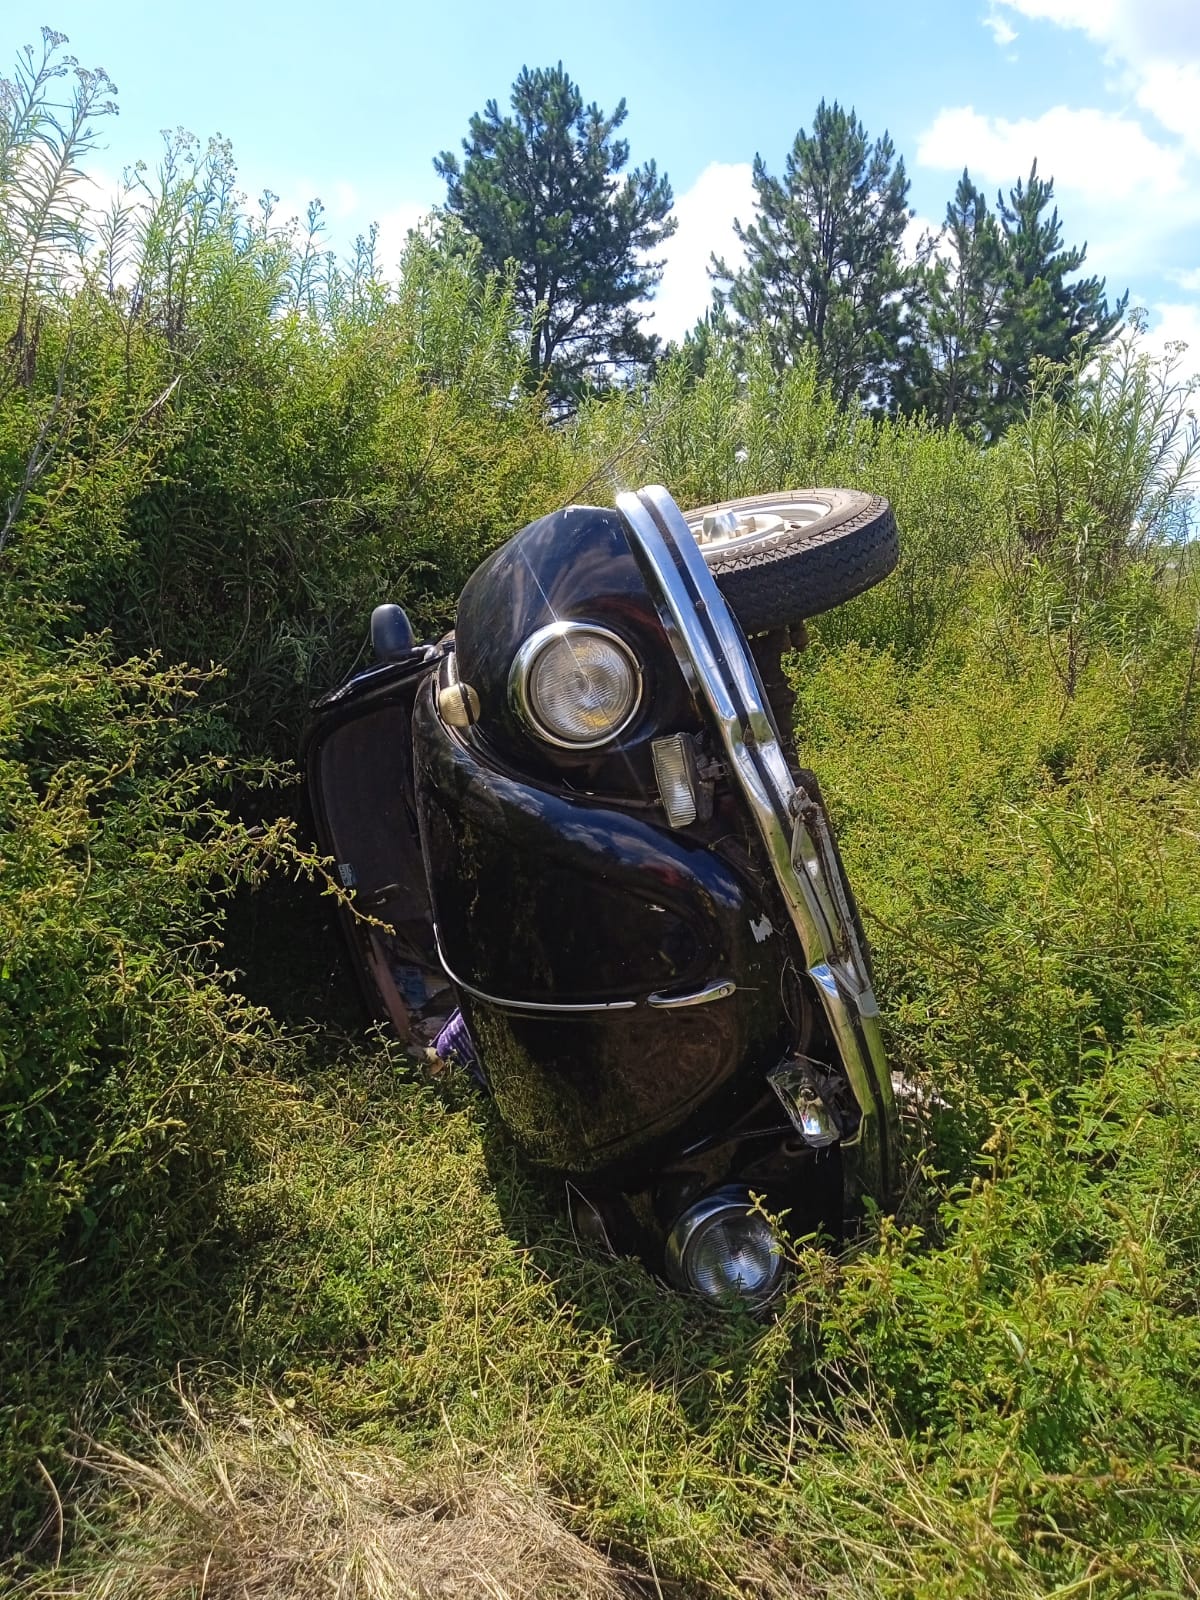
[720, 990]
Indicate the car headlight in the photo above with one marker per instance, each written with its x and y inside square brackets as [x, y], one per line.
[721, 1249]
[575, 684]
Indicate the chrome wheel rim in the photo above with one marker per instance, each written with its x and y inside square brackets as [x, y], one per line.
[729, 528]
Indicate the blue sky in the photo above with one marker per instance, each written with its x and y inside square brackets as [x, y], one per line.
[351, 103]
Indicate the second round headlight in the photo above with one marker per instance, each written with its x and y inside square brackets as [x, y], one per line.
[577, 685]
[724, 1250]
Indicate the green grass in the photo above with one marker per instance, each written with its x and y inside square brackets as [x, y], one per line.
[1001, 1403]
[277, 1272]
[994, 1394]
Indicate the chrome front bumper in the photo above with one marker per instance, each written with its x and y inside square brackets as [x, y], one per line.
[717, 665]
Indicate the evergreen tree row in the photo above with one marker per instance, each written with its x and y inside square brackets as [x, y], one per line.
[954, 332]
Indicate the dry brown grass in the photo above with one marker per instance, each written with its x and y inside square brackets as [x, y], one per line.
[265, 1508]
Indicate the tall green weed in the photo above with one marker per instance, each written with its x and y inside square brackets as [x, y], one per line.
[219, 444]
[123, 1055]
[226, 447]
[1100, 475]
[996, 1400]
[1029, 878]
[742, 427]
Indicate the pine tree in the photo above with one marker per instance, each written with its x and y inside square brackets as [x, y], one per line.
[991, 299]
[823, 269]
[1041, 315]
[543, 188]
[961, 284]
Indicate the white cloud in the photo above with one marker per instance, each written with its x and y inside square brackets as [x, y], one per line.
[1175, 322]
[1087, 14]
[1002, 32]
[341, 201]
[1100, 155]
[1170, 91]
[1154, 43]
[344, 202]
[1128, 179]
[706, 215]
[394, 226]
[1137, 28]
[1133, 198]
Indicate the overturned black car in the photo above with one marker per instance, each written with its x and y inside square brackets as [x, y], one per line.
[588, 864]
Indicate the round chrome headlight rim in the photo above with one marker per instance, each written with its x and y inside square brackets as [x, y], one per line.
[525, 661]
[725, 1205]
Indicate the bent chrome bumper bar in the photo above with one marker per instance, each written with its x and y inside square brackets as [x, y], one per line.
[718, 667]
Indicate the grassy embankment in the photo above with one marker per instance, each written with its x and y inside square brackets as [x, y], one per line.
[280, 1317]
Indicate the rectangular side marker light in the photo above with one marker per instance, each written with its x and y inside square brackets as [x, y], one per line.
[675, 771]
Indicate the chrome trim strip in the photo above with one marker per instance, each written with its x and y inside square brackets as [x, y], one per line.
[721, 989]
[501, 1004]
[715, 660]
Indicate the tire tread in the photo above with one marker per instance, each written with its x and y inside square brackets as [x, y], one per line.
[771, 586]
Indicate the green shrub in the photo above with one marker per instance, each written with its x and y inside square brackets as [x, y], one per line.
[122, 1055]
[737, 431]
[217, 444]
[224, 447]
[1000, 1403]
[1029, 880]
[1100, 474]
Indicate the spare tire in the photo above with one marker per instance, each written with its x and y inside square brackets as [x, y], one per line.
[779, 558]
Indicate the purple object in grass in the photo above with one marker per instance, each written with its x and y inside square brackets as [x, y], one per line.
[454, 1043]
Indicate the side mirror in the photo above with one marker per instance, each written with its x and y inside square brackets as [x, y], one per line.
[391, 633]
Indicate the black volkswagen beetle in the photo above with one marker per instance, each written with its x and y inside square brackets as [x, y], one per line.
[588, 864]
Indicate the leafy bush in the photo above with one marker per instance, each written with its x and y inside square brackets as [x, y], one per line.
[219, 445]
[738, 430]
[228, 449]
[249, 495]
[1100, 475]
[1102, 462]
[1029, 879]
[122, 1057]
[1000, 1404]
